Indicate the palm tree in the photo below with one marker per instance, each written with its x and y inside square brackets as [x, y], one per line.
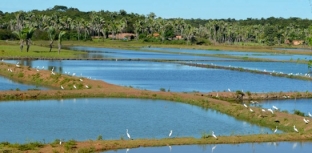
[51, 32]
[21, 36]
[29, 31]
[60, 38]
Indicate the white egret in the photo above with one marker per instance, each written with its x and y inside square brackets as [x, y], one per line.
[275, 129]
[17, 64]
[229, 89]
[62, 87]
[245, 105]
[75, 87]
[128, 135]
[81, 80]
[214, 135]
[309, 114]
[306, 121]
[263, 110]
[217, 95]
[86, 86]
[270, 110]
[60, 142]
[250, 110]
[295, 128]
[274, 107]
[170, 133]
[127, 150]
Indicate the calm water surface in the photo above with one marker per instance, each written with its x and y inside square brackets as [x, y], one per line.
[303, 105]
[277, 67]
[7, 84]
[270, 147]
[273, 56]
[96, 52]
[173, 77]
[83, 119]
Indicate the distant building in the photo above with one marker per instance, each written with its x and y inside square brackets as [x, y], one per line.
[294, 42]
[297, 42]
[122, 36]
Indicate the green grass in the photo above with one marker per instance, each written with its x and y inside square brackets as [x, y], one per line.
[12, 50]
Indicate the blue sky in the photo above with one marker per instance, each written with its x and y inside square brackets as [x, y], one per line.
[204, 9]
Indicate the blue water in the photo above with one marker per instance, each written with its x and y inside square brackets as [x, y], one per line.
[84, 119]
[272, 56]
[269, 147]
[277, 67]
[303, 105]
[173, 77]
[7, 84]
[96, 52]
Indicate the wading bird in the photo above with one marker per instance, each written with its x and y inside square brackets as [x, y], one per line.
[170, 133]
[17, 64]
[214, 135]
[250, 110]
[245, 105]
[75, 87]
[229, 89]
[309, 114]
[274, 107]
[275, 129]
[270, 110]
[306, 121]
[128, 135]
[62, 87]
[295, 128]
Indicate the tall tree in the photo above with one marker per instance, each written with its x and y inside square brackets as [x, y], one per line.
[60, 38]
[51, 33]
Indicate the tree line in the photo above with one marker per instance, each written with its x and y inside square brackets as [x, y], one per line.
[61, 22]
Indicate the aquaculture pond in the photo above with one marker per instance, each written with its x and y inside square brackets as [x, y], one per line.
[276, 67]
[171, 76]
[110, 53]
[289, 105]
[7, 84]
[84, 119]
[267, 147]
[271, 56]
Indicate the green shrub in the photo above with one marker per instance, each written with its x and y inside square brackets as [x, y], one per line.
[162, 89]
[297, 112]
[100, 137]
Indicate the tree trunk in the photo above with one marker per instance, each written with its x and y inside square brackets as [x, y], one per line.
[21, 45]
[59, 47]
[27, 44]
[51, 45]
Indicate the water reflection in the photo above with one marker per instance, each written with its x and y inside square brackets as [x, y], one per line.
[83, 119]
[270, 147]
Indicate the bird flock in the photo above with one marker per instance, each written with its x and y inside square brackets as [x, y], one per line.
[275, 108]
